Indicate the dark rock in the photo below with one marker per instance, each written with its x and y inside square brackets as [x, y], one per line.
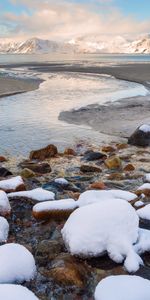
[41, 168]
[140, 137]
[90, 169]
[47, 250]
[69, 151]
[4, 172]
[41, 154]
[91, 155]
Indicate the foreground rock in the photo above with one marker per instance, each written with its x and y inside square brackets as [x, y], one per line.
[41, 154]
[13, 184]
[141, 137]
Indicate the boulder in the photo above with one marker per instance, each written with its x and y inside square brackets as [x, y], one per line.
[41, 154]
[141, 136]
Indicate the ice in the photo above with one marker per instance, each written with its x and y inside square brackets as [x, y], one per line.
[94, 196]
[144, 212]
[16, 264]
[37, 194]
[4, 229]
[11, 184]
[65, 204]
[110, 226]
[4, 203]
[123, 287]
[15, 292]
[145, 128]
[61, 181]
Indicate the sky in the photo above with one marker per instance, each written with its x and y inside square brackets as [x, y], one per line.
[70, 19]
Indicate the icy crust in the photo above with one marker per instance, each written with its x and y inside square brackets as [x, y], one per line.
[144, 213]
[4, 203]
[123, 287]
[145, 128]
[4, 229]
[65, 204]
[94, 196]
[16, 264]
[37, 194]
[11, 184]
[110, 226]
[15, 292]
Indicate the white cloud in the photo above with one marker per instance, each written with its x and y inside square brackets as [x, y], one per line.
[65, 19]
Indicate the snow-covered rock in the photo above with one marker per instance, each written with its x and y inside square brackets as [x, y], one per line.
[37, 194]
[147, 177]
[143, 243]
[141, 136]
[16, 264]
[144, 212]
[4, 204]
[15, 292]
[123, 287]
[110, 226]
[4, 229]
[138, 203]
[145, 186]
[9, 185]
[61, 181]
[95, 196]
[54, 209]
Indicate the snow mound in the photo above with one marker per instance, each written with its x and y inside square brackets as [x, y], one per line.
[11, 184]
[145, 186]
[4, 229]
[61, 181]
[145, 128]
[123, 287]
[65, 204]
[144, 212]
[94, 196]
[4, 204]
[16, 264]
[110, 226]
[37, 194]
[15, 292]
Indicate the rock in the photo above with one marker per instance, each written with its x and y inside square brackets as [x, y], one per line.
[91, 155]
[47, 250]
[108, 149]
[113, 162]
[98, 186]
[41, 168]
[116, 176]
[68, 271]
[4, 172]
[27, 173]
[141, 136]
[121, 146]
[90, 169]
[129, 168]
[69, 151]
[41, 154]
[3, 159]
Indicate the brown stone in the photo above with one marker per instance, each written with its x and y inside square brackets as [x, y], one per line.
[3, 158]
[90, 169]
[129, 168]
[98, 185]
[40, 167]
[108, 149]
[41, 154]
[27, 173]
[69, 151]
[116, 176]
[113, 162]
[146, 192]
[121, 146]
[56, 215]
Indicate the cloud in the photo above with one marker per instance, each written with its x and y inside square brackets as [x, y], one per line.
[63, 20]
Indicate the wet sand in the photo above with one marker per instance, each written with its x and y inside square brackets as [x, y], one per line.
[11, 86]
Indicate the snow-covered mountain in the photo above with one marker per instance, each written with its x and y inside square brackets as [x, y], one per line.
[92, 44]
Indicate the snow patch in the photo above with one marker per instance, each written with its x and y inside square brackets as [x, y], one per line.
[65, 204]
[11, 184]
[145, 128]
[4, 229]
[145, 186]
[61, 181]
[144, 213]
[4, 203]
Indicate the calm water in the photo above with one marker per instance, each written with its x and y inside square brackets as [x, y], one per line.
[30, 120]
